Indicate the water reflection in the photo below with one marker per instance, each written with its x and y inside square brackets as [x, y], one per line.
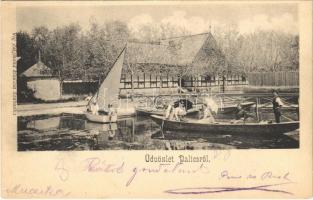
[74, 132]
[198, 140]
[44, 124]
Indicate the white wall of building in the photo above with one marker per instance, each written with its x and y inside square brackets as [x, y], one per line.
[45, 89]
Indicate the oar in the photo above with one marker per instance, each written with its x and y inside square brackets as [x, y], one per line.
[265, 104]
[162, 129]
[257, 109]
[287, 118]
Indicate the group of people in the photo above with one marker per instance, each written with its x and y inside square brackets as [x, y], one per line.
[277, 103]
[177, 113]
[242, 115]
[94, 108]
[210, 107]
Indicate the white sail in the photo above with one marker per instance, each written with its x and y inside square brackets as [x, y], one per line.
[109, 89]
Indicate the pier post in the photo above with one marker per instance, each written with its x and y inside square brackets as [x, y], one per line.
[257, 109]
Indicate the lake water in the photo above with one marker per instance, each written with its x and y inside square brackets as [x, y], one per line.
[74, 132]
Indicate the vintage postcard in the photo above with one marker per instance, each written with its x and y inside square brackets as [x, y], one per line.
[156, 99]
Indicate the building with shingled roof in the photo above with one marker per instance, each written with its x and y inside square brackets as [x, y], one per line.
[43, 83]
[187, 61]
[38, 70]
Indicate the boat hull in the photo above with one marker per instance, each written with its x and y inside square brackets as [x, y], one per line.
[100, 118]
[121, 113]
[145, 112]
[227, 128]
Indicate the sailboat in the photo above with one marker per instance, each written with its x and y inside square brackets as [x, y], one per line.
[107, 94]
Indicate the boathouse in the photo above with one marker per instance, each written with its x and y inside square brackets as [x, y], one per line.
[41, 81]
[190, 62]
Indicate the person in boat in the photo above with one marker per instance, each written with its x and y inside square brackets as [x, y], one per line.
[277, 105]
[241, 115]
[94, 107]
[208, 108]
[179, 112]
[212, 105]
[207, 113]
[169, 112]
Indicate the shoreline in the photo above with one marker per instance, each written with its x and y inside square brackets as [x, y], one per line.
[51, 108]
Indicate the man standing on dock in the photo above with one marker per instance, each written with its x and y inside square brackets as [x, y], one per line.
[277, 104]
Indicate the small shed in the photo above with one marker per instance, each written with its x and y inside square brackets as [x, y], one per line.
[42, 82]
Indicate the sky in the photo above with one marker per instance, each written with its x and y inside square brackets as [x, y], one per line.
[248, 17]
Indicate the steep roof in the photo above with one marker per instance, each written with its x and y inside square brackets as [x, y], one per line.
[194, 49]
[210, 57]
[186, 47]
[140, 53]
[38, 70]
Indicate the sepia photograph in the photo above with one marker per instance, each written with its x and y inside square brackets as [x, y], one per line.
[157, 77]
[198, 99]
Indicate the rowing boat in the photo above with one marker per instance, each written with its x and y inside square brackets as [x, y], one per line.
[226, 127]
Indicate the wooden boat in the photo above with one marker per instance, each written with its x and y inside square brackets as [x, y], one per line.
[105, 118]
[148, 112]
[226, 128]
[229, 109]
[107, 93]
[100, 118]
